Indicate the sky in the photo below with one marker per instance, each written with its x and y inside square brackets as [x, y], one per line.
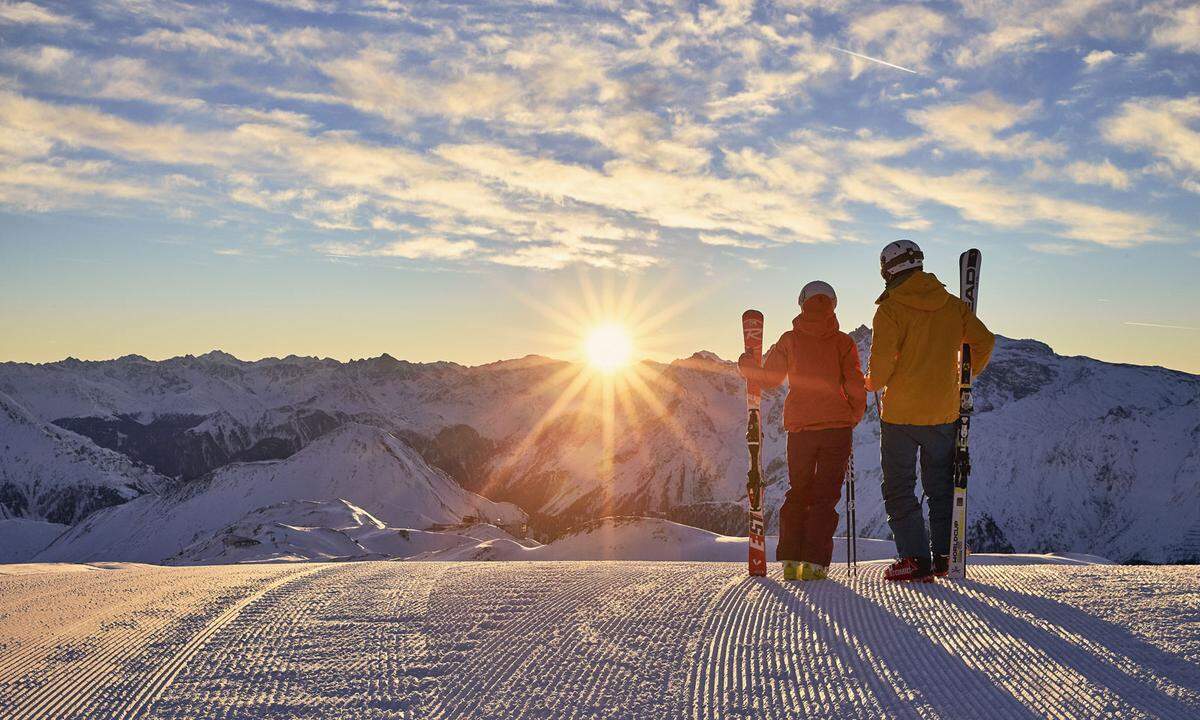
[478, 181]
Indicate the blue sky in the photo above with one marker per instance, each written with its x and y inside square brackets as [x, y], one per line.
[426, 179]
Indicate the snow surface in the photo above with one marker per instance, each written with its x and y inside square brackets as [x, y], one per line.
[312, 530]
[1029, 638]
[634, 538]
[21, 539]
[365, 466]
[47, 473]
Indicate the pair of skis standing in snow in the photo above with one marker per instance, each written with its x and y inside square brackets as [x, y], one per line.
[923, 340]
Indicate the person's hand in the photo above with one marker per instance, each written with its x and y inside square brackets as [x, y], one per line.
[747, 364]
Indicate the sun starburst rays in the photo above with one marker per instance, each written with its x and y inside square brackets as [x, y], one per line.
[604, 328]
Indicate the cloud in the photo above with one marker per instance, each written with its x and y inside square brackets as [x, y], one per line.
[1162, 126]
[55, 185]
[979, 126]
[246, 40]
[109, 78]
[430, 247]
[985, 49]
[77, 126]
[978, 198]
[556, 257]
[240, 40]
[413, 249]
[1096, 58]
[729, 241]
[794, 171]
[539, 256]
[26, 13]
[298, 121]
[610, 135]
[697, 202]
[901, 34]
[1056, 248]
[1082, 173]
[375, 82]
[914, 224]
[1180, 29]
[1104, 173]
[333, 181]
[43, 60]
[764, 90]
[1030, 26]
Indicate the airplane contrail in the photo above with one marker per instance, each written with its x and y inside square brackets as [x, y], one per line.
[874, 60]
[1160, 325]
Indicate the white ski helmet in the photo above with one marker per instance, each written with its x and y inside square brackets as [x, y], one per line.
[818, 287]
[899, 256]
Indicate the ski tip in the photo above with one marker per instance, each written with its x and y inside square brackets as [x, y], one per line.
[752, 315]
[973, 255]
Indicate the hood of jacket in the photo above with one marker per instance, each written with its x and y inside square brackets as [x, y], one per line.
[920, 291]
[816, 317]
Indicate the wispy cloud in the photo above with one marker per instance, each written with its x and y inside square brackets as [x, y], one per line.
[978, 197]
[905, 34]
[1083, 173]
[27, 13]
[1056, 248]
[983, 125]
[642, 135]
[1168, 128]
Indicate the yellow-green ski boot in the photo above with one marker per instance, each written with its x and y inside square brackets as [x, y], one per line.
[813, 571]
[791, 569]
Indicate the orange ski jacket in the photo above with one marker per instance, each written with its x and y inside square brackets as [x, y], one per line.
[820, 363]
[917, 333]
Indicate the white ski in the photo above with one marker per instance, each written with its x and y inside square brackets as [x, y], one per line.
[968, 267]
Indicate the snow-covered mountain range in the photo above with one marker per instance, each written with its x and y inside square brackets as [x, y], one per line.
[1069, 454]
[54, 475]
[363, 466]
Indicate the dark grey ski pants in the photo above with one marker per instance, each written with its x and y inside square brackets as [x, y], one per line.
[899, 447]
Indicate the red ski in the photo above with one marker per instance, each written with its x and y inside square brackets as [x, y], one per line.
[752, 334]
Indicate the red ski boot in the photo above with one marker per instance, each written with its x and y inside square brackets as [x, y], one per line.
[909, 570]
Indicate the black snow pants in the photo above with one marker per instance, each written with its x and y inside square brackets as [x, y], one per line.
[816, 466]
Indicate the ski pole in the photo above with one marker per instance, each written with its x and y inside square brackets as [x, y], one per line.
[851, 521]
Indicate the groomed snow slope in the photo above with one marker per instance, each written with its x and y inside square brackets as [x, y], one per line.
[1029, 638]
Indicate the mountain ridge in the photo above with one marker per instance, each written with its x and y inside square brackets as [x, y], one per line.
[1082, 437]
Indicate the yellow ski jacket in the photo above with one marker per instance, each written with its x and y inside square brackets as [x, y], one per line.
[917, 333]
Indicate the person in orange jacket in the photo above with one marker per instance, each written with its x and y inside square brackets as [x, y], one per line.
[826, 399]
[917, 333]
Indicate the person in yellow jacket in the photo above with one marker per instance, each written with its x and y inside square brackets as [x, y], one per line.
[917, 333]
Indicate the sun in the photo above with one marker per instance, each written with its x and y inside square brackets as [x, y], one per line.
[605, 325]
[608, 347]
